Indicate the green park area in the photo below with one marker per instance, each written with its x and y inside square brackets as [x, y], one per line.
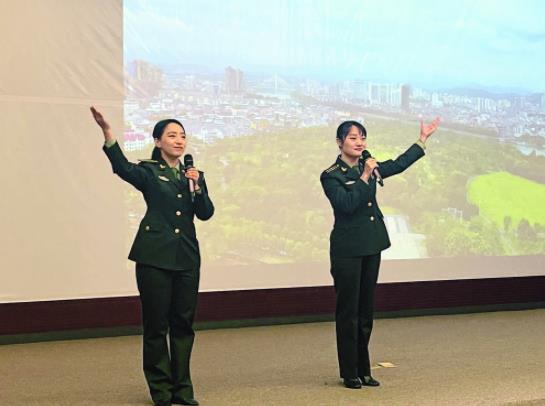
[470, 194]
[501, 195]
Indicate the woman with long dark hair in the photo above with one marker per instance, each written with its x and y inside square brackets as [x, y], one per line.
[358, 237]
[167, 256]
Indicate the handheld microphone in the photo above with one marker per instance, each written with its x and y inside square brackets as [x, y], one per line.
[376, 174]
[188, 163]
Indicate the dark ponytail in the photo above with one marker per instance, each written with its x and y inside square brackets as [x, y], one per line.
[156, 154]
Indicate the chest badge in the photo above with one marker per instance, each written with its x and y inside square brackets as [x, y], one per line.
[350, 182]
[163, 178]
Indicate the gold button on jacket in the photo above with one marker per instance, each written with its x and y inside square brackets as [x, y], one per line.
[155, 243]
[359, 227]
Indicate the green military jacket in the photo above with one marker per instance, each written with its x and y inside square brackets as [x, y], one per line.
[359, 227]
[166, 237]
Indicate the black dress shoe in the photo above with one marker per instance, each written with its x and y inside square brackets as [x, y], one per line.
[162, 403]
[180, 401]
[369, 381]
[352, 383]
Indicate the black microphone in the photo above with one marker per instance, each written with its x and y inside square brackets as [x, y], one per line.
[188, 163]
[376, 174]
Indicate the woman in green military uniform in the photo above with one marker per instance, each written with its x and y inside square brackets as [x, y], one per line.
[166, 252]
[358, 237]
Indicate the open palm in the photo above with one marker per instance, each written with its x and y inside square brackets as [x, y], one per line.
[99, 118]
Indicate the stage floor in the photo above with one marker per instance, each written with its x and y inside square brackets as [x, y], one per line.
[495, 358]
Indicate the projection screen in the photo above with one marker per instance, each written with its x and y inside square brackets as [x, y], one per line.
[260, 88]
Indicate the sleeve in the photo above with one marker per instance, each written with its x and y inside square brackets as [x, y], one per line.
[110, 143]
[421, 144]
[393, 167]
[129, 172]
[204, 208]
[343, 199]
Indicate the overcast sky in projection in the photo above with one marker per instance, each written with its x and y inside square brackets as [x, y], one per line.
[495, 44]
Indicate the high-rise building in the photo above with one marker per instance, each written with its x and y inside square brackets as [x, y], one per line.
[436, 100]
[519, 102]
[384, 94]
[233, 80]
[145, 71]
[147, 79]
[405, 91]
[361, 90]
[373, 93]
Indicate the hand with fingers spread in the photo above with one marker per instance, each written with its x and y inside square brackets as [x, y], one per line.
[165, 244]
[426, 130]
[358, 237]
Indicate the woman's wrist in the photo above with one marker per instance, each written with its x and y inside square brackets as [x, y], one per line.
[108, 136]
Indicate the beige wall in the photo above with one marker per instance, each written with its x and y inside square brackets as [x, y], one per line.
[62, 218]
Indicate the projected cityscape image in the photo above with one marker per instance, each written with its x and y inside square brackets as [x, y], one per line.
[261, 93]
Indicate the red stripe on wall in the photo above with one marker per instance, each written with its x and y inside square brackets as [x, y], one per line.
[59, 315]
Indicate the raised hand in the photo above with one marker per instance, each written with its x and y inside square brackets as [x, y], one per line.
[426, 130]
[99, 118]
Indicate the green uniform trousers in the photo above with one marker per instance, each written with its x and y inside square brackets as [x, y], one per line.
[355, 280]
[169, 299]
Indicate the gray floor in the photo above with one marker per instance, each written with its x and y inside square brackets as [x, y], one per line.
[476, 359]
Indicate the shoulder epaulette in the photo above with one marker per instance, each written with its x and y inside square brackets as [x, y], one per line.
[148, 161]
[331, 168]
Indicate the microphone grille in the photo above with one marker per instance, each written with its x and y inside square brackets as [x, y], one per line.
[188, 160]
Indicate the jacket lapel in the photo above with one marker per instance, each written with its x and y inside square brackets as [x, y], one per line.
[348, 172]
[165, 171]
[183, 180]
